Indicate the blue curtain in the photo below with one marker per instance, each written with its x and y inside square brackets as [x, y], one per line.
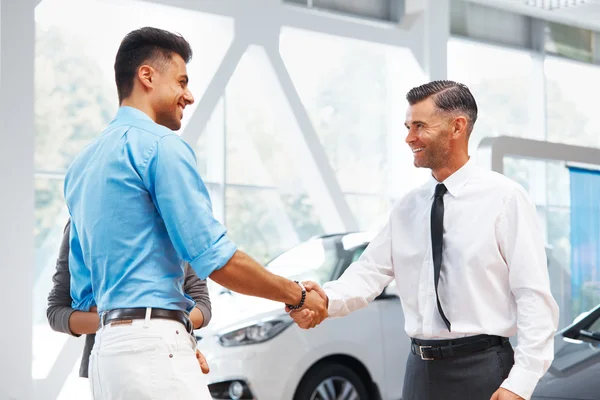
[585, 238]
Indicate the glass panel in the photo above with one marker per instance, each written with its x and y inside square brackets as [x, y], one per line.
[559, 265]
[354, 94]
[75, 91]
[531, 174]
[202, 151]
[260, 224]
[257, 150]
[571, 101]
[569, 41]
[500, 80]
[548, 185]
[269, 196]
[210, 147]
[558, 184]
[301, 212]
[371, 212]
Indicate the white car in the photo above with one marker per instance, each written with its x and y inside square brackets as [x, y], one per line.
[256, 352]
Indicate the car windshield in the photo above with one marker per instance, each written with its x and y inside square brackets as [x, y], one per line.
[314, 260]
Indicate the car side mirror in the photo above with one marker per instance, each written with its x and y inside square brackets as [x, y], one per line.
[581, 324]
[589, 335]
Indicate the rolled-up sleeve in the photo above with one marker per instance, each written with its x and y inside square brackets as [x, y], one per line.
[81, 279]
[182, 199]
[197, 289]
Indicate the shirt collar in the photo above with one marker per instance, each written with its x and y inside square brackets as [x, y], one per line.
[127, 112]
[455, 182]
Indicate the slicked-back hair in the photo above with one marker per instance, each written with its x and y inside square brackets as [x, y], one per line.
[449, 97]
[146, 45]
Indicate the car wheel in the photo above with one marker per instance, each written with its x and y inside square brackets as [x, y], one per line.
[331, 381]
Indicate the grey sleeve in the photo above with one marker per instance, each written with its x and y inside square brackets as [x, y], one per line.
[59, 299]
[197, 289]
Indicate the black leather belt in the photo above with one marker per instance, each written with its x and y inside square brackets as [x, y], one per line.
[440, 349]
[122, 314]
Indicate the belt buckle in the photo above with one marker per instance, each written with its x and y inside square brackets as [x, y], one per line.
[421, 353]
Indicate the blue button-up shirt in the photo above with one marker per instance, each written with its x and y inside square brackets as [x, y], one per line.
[139, 209]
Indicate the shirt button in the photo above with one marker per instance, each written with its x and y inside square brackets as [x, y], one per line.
[431, 294]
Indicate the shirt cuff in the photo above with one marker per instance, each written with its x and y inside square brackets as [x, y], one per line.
[62, 316]
[521, 382]
[68, 328]
[337, 306]
[213, 258]
[206, 314]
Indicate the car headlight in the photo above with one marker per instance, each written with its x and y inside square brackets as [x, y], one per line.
[256, 333]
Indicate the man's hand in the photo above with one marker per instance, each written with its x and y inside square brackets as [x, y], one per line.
[84, 322]
[504, 394]
[202, 361]
[310, 316]
[197, 318]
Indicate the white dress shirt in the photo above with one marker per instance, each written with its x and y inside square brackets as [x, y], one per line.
[494, 278]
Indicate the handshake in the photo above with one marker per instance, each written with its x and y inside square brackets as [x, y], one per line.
[315, 307]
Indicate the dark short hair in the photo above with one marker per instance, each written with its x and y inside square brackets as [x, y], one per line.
[146, 45]
[448, 96]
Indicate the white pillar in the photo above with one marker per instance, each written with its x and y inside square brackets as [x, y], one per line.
[429, 23]
[596, 47]
[437, 33]
[17, 43]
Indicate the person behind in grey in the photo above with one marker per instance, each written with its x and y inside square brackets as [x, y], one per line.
[63, 318]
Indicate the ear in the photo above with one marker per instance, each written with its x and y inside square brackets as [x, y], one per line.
[459, 127]
[146, 75]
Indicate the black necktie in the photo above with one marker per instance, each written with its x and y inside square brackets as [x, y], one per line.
[437, 236]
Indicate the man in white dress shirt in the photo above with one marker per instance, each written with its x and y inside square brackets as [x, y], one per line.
[468, 255]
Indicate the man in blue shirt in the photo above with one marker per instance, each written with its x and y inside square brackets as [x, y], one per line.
[139, 211]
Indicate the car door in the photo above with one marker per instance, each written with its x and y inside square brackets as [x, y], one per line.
[394, 342]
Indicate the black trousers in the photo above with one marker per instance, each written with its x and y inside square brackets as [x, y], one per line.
[474, 376]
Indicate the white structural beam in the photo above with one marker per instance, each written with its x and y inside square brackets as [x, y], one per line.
[596, 49]
[310, 158]
[216, 160]
[429, 31]
[342, 25]
[219, 7]
[328, 22]
[214, 91]
[17, 21]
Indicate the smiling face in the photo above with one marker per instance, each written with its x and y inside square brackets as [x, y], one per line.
[171, 94]
[430, 134]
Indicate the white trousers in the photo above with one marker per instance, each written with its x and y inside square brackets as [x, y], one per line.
[152, 359]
